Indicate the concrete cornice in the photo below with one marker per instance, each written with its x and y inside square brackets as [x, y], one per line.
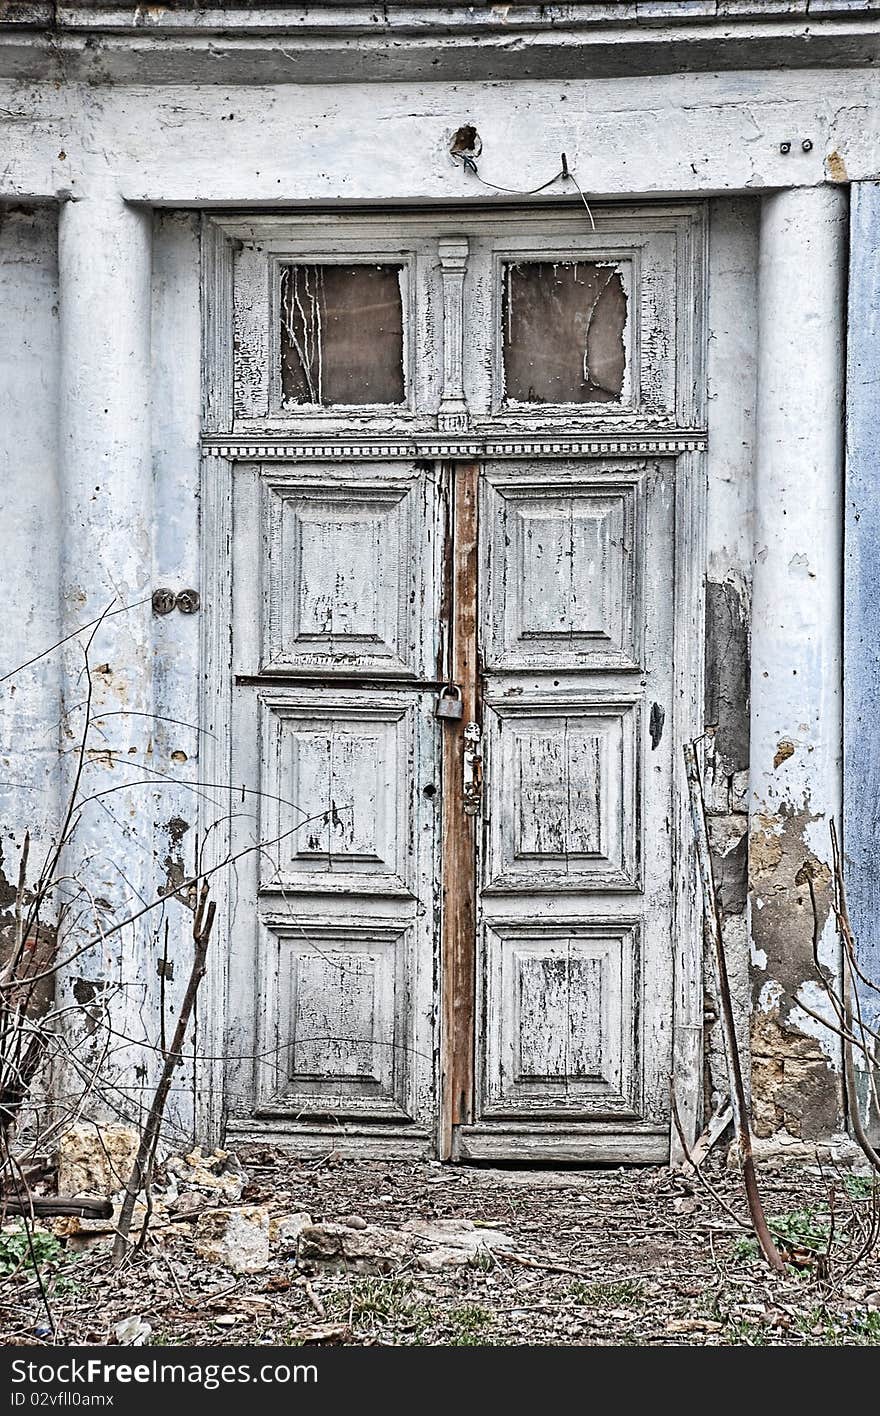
[107, 42]
[419, 16]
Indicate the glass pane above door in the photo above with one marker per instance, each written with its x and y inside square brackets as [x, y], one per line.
[563, 326]
[341, 335]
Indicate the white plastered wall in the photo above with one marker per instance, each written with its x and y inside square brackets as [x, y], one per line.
[107, 148]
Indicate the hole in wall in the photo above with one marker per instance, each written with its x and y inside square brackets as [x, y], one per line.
[466, 142]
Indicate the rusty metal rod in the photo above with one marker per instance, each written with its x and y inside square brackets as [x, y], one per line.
[45, 1206]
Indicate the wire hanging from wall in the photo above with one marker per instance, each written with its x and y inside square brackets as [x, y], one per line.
[564, 174]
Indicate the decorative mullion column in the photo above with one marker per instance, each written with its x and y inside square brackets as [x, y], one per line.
[796, 733]
[453, 414]
[104, 252]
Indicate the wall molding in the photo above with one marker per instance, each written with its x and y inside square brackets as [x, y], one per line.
[409, 449]
[240, 43]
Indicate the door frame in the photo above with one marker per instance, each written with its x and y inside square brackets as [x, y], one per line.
[222, 450]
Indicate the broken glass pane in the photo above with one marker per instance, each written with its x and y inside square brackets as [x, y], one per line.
[341, 334]
[563, 328]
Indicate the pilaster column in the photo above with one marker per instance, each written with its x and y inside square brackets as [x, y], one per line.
[104, 250]
[796, 732]
[861, 639]
[453, 412]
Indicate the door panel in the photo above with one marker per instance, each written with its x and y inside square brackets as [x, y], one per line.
[336, 617]
[574, 1004]
[337, 1021]
[560, 1017]
[564, 786]
[337, 792]
[561, 571]
[346, 558]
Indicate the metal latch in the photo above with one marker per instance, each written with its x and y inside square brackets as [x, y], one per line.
[472, 769]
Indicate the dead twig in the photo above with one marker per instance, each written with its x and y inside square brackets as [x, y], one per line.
[841, 914]
[315, 1300]
[547, 1265]
[845, 1004]
[25, 1200]
[141, 1170]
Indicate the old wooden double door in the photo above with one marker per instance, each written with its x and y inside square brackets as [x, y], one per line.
[454, 590]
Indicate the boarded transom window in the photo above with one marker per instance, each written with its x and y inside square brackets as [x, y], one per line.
[563, 328]
[341, 334]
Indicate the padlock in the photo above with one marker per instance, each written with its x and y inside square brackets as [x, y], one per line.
[449, 704]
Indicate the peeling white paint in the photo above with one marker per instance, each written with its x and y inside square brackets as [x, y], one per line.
[770, 997]
[30, 529]
[813, 995]
[817, 833]
[828, 950]
[131, 474]
[704, 133]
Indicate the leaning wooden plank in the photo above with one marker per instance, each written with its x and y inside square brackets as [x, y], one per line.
[718, 1124]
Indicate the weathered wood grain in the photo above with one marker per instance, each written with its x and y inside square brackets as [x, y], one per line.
[459, 829]
[553, 908]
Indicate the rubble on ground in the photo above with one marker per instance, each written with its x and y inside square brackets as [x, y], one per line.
[236, 1238]
[96, 1160]
[218, 1177]
[331, 1251]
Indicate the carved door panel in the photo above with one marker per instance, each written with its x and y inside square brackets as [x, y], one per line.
[451, 447]
[336, 634]
[573, 955]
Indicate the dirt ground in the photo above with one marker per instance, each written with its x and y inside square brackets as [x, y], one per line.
[613, 1257]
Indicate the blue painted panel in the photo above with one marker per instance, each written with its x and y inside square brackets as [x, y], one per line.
[861, 730]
